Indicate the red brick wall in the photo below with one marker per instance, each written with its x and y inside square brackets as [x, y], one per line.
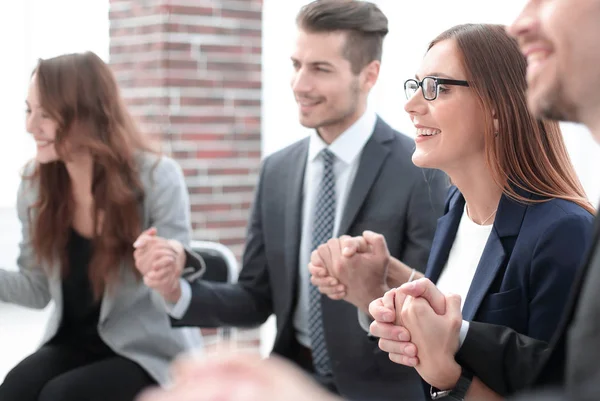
[190, 71]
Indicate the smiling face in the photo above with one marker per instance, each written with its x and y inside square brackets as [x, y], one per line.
[450, 129]
[560, 40]
[39, 124]
[329, 95]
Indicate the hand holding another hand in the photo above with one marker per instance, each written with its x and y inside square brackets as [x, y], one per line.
[161, 262]
[351, 268]
[421, 330]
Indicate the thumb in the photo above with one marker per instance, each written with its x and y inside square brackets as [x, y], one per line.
[398, 305]
[453, 305]
[353, 245]
[152, 231]
[380, 312]
[453, 312]
[143, 237]
[377, 242]
[424, 288]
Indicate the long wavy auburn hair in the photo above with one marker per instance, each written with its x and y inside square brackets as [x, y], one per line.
[523, 152]
[80, 93]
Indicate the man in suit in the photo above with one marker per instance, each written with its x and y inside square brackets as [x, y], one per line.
[559, 38]
[353, 173]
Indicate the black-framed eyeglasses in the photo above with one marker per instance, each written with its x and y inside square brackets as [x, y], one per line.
[430, 85]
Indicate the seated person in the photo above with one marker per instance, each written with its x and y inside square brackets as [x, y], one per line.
[94, 185]
[517, 223]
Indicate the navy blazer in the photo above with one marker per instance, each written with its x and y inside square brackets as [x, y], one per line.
[528, 263]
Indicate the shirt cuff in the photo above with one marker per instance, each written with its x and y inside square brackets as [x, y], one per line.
[365, 321]
[464, 329]
[176, 311]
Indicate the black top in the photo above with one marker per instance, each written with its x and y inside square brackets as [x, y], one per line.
[81, 313]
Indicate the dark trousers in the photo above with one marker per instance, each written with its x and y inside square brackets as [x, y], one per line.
[59, 372]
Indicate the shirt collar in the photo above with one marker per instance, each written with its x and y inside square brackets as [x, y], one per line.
[350, 143]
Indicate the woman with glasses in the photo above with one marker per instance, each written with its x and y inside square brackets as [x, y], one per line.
[517, 221]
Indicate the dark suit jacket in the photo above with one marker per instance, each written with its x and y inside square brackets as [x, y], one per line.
[509, 361]
[389, 196]
[527, 266]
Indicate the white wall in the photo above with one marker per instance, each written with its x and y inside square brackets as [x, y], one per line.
[32, 29]
[14, 146]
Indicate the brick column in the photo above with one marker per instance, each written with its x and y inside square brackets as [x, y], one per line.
[190, 70]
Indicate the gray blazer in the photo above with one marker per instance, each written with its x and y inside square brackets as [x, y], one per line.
[133, 320]
[389, 195]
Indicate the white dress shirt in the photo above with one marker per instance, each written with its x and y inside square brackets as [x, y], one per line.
[464, 257]
[462, 263]
[347, 149]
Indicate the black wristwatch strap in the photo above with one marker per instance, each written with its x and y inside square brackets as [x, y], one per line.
[459, 392]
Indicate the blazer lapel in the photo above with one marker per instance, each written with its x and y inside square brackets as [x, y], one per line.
[127, 280]
[491, 260]
[507, 223]
[293, 213]
[55, 288]
[55, 285]
[445, 233]
[373, 156]
[105, 307]
[126, 276]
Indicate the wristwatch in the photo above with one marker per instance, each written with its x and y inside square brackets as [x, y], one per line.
[459, 392]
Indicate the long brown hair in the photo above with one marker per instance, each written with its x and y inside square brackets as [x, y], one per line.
[523, 152]
[80, 93]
